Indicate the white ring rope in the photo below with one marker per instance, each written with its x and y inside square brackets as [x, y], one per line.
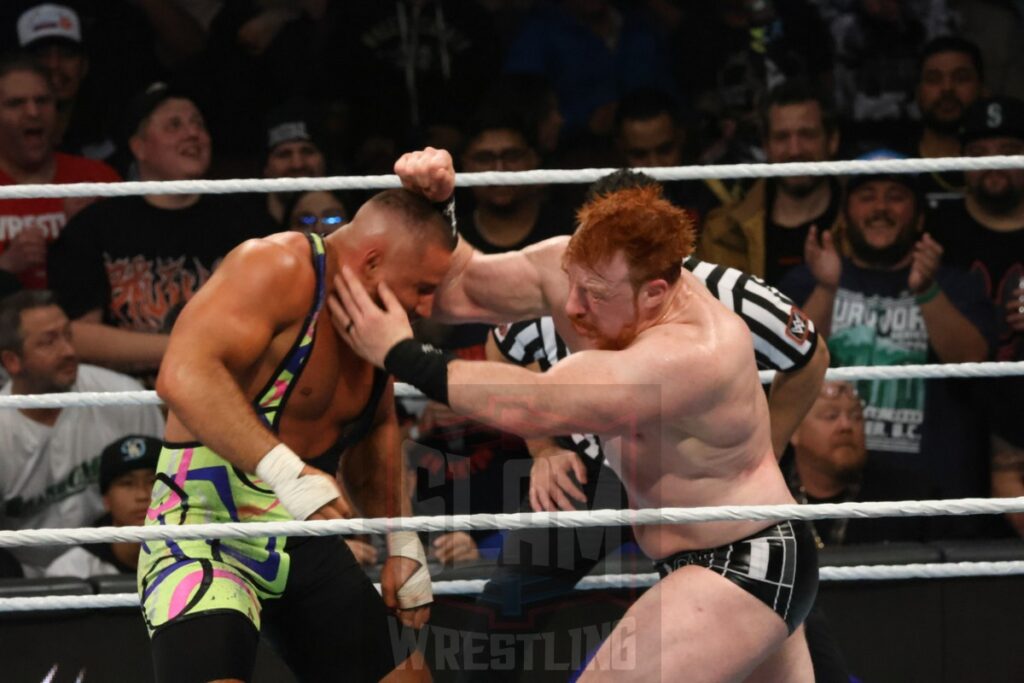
[933, 371]
[536, 177]
[513, 521]
[935, 570]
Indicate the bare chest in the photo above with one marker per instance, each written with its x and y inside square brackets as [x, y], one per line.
[329, 394]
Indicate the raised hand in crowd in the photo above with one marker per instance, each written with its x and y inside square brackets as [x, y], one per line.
[823, 258]
[924, 264]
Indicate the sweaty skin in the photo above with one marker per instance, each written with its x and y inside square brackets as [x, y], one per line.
[680, 395]
[703, 439]
[230, 338]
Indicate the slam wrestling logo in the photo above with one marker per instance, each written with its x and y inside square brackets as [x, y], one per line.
[556, 650]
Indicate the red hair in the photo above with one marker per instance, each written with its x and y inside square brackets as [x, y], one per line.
[653, 234]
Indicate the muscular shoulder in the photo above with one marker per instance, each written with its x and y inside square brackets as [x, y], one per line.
[279, 258]
[275, 273]
[700, 354]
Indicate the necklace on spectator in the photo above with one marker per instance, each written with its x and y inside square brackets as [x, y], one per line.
[837, 533]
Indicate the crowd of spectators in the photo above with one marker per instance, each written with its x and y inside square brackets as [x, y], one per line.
[891, 269]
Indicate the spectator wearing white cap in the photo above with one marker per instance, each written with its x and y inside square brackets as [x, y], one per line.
[52, 35]
[28, 116]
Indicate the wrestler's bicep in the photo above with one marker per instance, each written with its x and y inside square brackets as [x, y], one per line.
[499, 288]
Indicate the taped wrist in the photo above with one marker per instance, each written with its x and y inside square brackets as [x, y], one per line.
[418, 590]
[301, 495]
[422, 366]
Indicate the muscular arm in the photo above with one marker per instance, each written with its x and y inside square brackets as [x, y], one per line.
[113, 347]
[501, 287]
[374, 470]
[259, 290]
[492, 353]
[793, 393]
[620, 389]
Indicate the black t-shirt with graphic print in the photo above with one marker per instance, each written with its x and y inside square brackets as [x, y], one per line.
[140, 264]
[998, 258]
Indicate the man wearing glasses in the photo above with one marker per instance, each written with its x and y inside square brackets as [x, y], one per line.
[507, 217]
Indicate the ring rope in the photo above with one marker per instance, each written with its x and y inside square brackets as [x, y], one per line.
[513, 521]
[931, 371]
[535, 177]
[934, 570]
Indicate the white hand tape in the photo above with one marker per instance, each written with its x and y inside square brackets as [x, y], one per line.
[301, 495]
[418, 589]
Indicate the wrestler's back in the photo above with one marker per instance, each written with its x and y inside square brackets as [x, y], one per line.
[332, 390]
[720, 454]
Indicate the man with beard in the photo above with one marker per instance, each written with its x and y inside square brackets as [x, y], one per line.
[293, 151]
[882, 298]
[617, 291]
[51, 456]
[763, 234]
[827, 464]
[985, 233]
[950, 79]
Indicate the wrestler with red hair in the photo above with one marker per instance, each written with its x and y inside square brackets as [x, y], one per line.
[665, 374]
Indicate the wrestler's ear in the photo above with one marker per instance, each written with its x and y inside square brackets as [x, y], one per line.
[653, 293]
[372, 261]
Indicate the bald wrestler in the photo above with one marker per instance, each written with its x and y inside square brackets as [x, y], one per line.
[257, 382]
[667, 370]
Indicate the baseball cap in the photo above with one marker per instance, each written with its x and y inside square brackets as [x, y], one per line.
[144, 103]
[855, 180]
[993, 117]
[289, 123]
[49, 21]
[127, 454]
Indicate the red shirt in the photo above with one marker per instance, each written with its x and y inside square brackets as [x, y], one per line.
[49, 214]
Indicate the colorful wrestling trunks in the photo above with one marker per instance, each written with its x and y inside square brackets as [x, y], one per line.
[777, 565]
[196, 486]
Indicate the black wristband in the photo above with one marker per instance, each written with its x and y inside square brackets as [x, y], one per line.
[422, 366]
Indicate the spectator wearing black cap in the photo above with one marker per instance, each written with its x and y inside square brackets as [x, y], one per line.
[293, 151]
[883, 298]
[985, 233]
[125, 267]
[127, 473]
